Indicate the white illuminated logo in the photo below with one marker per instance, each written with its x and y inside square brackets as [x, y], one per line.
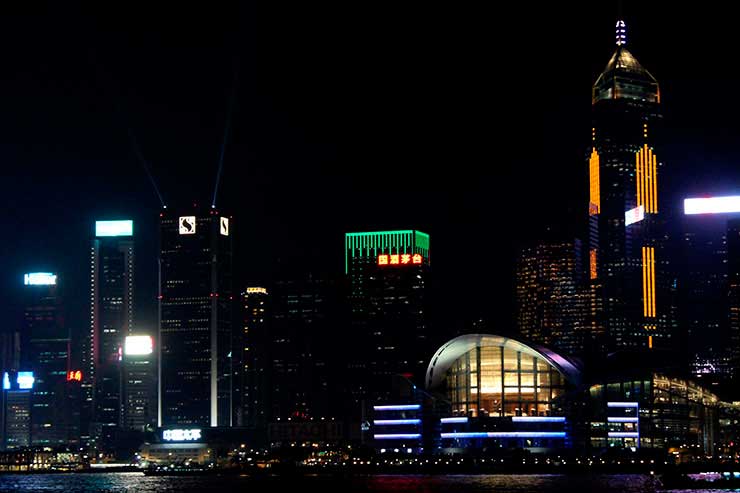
[138, 345]
[635, 215]
[712, 205]
[25, 380]
[225, 226]
[187, 225]
[181, 435]
[39, 279]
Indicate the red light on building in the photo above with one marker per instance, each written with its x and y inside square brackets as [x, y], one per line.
[74, 376]
[400, 259]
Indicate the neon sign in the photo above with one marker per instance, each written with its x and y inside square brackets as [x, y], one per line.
[74, 376]
[181, 435]
[400, 259]
[712, 205]
[114, 228]
[39, 279]
[138, 345]
[25, 380]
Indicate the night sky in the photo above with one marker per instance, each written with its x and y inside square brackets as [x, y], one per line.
[471, 125]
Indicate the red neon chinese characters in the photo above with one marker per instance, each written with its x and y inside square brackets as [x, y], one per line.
[73, 375]
[400, 259]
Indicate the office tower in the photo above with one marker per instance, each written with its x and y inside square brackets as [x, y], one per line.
[387, 272]
[195, 317]
[252, 344]
[305, 317]
[16, 409]
[628, 263]
[111, 317]
[733, 281]
[139, 383]
[704, 304]
[45, 350]
[551, 297]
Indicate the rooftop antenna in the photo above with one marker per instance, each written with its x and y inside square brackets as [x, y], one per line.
[621, 34]
[227, 128]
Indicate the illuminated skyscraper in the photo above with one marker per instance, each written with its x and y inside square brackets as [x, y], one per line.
[195, 316]
[139, 383]
[387, 273]
[111, 319]
[45, 351]
[252, 342]
[627, 259]
[551, 298]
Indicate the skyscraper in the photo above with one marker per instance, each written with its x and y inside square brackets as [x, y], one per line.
[139, 383]
[628, 264]
[195, 316]
[16, 409]
[254, 359]
[551, 297]
[45, 350]
[387, 273]
[111, 317]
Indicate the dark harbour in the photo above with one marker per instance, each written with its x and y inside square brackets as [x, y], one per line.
[462, 483]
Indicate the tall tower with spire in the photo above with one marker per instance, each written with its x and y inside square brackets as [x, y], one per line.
[628, 266]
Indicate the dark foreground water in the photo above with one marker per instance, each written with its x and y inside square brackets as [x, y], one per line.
[137, 482]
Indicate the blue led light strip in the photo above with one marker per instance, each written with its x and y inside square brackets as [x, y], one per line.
[538, 419]
[387, 422]
[400, 407]
[506, 434]
[622, 404]
[398, 436]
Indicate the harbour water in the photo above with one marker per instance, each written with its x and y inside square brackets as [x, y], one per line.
[499, 483]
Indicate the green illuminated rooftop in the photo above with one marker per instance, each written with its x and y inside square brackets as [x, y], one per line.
[370, 244]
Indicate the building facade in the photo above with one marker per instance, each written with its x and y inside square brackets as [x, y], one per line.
[388, 276]
[252, 342]
[45, 350]
[16, 409]
[111, 317]
[552, 298]
[628, 263]
[139, 383]
[195, 317]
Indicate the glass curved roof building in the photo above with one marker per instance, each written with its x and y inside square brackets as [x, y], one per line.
[488, 375]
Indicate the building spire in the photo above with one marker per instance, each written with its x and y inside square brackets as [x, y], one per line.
[621, 33]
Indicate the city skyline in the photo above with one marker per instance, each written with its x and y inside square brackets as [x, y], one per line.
[219, 254]
[310, 158]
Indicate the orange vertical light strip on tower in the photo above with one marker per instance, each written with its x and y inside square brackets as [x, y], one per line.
[651, 178]
[652, 282]
[650, 342]
[594, 189]
[592, 263]
[655, 184]
[638, 179]
[644, 283]
[646, 178]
